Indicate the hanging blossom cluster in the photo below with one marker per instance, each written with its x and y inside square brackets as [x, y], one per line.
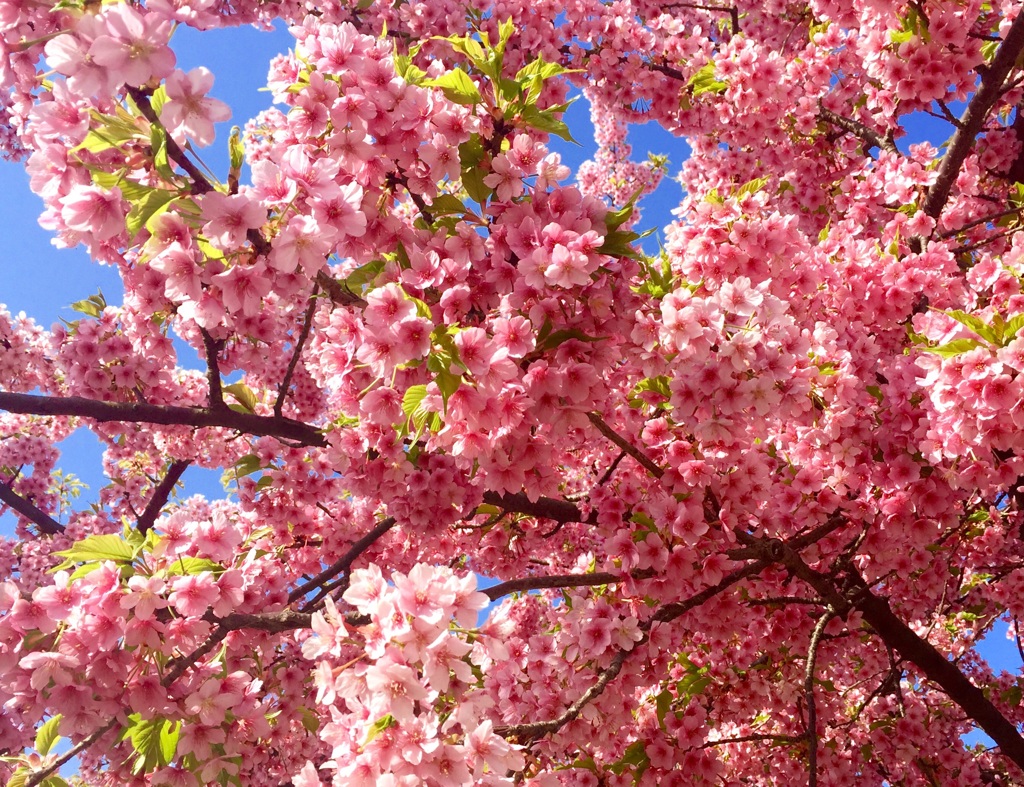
[751, 497]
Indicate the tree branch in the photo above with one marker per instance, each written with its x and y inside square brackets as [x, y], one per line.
[343, 563]
[542, 508]
[898, 635]
[38, 777]
[532, 730]
[625, 445]
[200, 185]
[46, 524]
[212, 348]
[973, 118]
[167, 415]
[812, 713]
[160, 495]
[563, 581]
[867, 135]
[307, 321]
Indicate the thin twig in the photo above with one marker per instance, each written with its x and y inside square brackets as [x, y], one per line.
[161, 494]
[757, 738]
[46, 523]
[867, 135]
[307, 321]
[1016, 637]
[733, 11]
[200, 185]
[611, 469]
[38, 777]
[625, 445]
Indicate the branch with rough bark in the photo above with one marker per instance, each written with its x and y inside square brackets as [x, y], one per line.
[896, 634]
[867, 135]
[164, 415]
[307, 322]
[46, 523]
[161, 495]
[555, 581]
[973, 119]
[342, 564]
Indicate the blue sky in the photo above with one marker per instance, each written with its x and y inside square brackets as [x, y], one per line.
[42, 281]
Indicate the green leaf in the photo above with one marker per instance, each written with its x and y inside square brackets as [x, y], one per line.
[619, 244]
[411, 73]
[161, 159]
[169, 741]
[364, 276]
[413, 398]
[1012, 328]
[456, 86]
[247, 465]
[92, 306]
[471, 152]
[446, 205]
[99, 548]
[972, 322]
[545, 120]
[563, 335]
[752, 186]
[383, 723]
[153, 204]
[47, 735]
[158, 99]
[191, 566]
[243, 395]
[310, 720]
[663, 702]
[955, 347]
[473, 183]
[152, 740]
[703, 81]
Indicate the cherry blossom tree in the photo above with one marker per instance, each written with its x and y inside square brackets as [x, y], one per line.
[751, 502]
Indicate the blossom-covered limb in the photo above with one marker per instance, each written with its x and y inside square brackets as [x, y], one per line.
[286, 381]
[812, 714]
[167, 415]
[46, 523]
[161, 494]
[993, 79]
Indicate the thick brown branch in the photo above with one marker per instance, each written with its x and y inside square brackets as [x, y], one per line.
[212, 347]
[160, 495]
[973, 119]
[270, 622]
[343, 563]
[30, 511]
[970, 698]
[562, 581]
[307, 322]
[625, 445]
[542, 508]
[167, 415]
[898, 635]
